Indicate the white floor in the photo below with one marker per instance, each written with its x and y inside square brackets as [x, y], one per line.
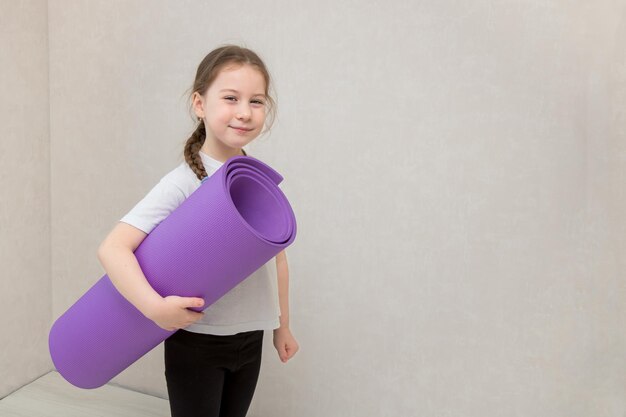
[52, 396]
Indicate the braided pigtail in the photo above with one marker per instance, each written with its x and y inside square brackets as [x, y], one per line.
[192, 151]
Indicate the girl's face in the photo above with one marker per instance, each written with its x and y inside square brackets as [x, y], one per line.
[233, 107]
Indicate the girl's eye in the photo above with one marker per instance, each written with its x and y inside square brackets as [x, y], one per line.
[254, 101]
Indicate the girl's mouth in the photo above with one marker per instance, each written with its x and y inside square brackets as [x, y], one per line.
[240, 129]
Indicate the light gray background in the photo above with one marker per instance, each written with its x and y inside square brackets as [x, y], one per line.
[457, 169]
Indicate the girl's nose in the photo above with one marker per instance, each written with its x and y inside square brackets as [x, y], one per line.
[244, 113]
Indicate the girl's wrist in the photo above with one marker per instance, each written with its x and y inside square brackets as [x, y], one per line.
[151, 305]
[284, 322]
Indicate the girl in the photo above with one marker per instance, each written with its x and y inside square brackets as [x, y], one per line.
[212, 361]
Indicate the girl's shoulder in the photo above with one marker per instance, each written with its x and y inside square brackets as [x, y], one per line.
[184, 178]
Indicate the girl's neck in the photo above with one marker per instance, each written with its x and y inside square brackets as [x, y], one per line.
[219, 152]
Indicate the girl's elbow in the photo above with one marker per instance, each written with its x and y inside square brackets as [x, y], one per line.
[100, 252]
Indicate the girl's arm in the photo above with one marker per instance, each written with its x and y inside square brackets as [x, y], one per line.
[283, 288]
[284, 342]
[117, 256]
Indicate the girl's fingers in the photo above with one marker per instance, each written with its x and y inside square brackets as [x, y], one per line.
[282, 352]
[291, 350]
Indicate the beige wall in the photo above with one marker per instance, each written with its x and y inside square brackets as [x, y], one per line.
[457, 170]
[25, 286]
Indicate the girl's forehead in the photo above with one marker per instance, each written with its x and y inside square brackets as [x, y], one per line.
[243, 79]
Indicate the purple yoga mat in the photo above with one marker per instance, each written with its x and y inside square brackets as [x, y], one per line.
[234, 223]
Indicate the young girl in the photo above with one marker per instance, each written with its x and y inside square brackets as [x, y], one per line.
[212, 361]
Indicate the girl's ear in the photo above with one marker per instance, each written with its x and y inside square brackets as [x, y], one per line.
[198, 104]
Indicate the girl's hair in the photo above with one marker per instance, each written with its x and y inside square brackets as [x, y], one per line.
[208, 70]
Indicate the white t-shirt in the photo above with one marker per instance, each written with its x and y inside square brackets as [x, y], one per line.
[253, 303]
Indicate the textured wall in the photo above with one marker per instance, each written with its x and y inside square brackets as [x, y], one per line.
[25, 286]
[458, 173]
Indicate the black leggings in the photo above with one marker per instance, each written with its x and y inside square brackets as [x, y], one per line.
[212, 376]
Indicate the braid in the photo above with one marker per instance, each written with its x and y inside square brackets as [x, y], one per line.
[192, 151]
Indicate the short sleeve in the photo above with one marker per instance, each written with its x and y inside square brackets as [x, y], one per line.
[160, 201]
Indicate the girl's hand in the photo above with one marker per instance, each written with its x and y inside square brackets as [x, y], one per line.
[285, 343]
[171, 313]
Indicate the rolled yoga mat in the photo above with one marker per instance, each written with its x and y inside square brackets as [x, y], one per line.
[234, 223]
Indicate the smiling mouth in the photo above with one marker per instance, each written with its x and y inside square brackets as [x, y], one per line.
[241, 128]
